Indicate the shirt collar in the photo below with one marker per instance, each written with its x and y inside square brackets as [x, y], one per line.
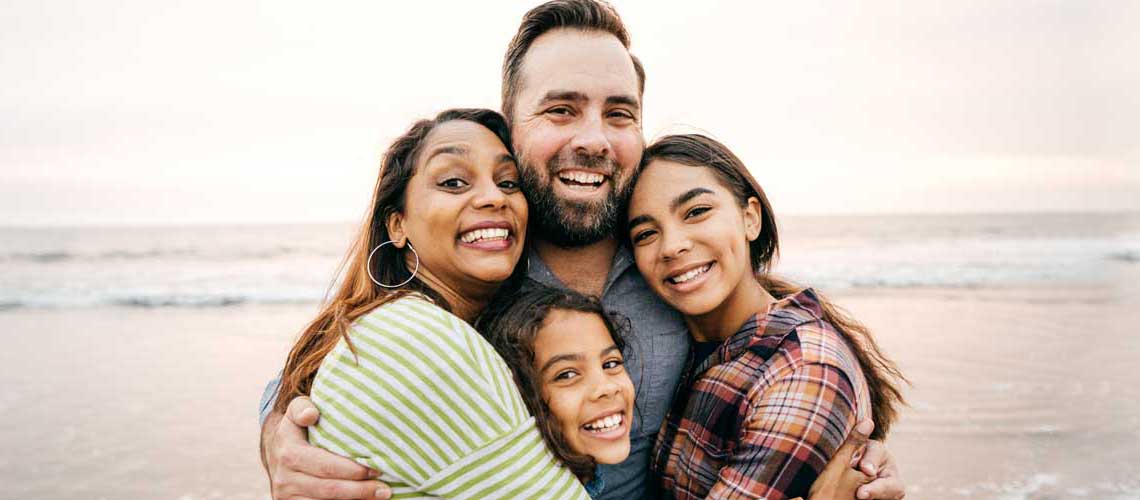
[764, 331]
[538, 271]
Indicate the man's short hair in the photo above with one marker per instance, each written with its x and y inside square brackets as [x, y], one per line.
[585, 15]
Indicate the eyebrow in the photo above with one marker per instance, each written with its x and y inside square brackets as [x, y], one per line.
[448, 150]
[690, 194]
[506, 157]
[559, 358]
[573, 357]
[578, 97]
[677, 202]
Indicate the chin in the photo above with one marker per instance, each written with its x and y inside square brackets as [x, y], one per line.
[612, 455]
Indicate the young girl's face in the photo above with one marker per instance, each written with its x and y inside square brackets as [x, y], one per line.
[584, 382]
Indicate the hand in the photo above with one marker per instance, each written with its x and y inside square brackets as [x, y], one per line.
[878, 463]
[840, 478]
[298, 470]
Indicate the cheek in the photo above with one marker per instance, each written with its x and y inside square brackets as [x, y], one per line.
[563, 406]
[628, 147]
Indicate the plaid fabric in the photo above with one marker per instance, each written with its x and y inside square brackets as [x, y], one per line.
[762, 415]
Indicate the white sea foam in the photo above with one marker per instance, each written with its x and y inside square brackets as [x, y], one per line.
[220, 266]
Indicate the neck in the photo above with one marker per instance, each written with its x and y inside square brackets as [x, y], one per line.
[584, 269]
[465, 303]
[724, 320]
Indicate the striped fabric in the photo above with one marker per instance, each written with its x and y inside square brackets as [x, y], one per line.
[762, 415]
[431, 405]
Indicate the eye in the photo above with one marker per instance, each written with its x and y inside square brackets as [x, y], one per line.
[560, 111]
[566, 375]
[697, 211]
[643, 235]
[453, 183]
[621, 114]
[509, 185]
[613, 363]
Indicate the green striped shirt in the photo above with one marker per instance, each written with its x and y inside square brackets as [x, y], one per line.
[430, 404]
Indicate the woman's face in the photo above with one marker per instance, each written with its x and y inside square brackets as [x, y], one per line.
[584, 382]
[464, 213]
[690, 236]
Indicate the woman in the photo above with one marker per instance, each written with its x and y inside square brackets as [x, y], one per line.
[778, 376]
[404, 384]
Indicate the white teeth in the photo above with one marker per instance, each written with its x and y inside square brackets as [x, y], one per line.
[484, 234]
[583, 177]
[604, 424]
[691, 274]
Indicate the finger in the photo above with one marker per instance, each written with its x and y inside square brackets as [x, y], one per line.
[324, 464]
[874, 458]
[302, 411]
[338, 489]
[885, 488]
[849, 452]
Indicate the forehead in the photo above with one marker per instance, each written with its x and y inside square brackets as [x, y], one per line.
[662, 180]
[477, 138]
[571, 331]
[591, 62]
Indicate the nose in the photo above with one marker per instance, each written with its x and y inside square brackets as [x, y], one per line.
[488, 195]
[590, 138]
[606, 387]
[674, 244]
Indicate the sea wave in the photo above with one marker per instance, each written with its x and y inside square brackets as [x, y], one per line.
[155, 300]
[166, 253]
[1129, 256]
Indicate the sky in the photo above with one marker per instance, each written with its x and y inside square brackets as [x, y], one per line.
[163, 112]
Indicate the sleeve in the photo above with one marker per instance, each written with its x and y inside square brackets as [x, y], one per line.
[419, 405]
[795, 425]
[268, 399]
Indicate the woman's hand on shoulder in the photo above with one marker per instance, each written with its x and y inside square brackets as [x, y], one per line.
[862, 468]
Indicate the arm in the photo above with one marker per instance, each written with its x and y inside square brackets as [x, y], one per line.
[423, 401]
[299, 470]
[793, 427]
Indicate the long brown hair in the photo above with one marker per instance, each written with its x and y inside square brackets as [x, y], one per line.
[512, 327]
[357, 294]
[881, 373]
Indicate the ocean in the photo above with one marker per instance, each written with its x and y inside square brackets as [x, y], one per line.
[210, 266]
[134, 357]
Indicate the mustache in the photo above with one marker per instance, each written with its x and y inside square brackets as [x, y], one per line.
[602, 163]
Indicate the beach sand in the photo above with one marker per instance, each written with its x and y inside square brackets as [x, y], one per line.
[1018, 393]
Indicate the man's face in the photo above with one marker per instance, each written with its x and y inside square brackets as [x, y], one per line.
[577, 134]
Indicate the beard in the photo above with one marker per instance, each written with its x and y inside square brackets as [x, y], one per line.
[572, 223]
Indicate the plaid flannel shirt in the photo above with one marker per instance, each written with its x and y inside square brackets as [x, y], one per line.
[762, 415]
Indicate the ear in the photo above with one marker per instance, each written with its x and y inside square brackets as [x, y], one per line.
[752, 220]
[395, 224]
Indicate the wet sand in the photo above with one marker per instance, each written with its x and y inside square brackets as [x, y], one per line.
[1018, 393]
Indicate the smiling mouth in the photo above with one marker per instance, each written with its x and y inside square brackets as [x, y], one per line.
[689, 275]
[580, 180]
[489, 234]
[605, 424]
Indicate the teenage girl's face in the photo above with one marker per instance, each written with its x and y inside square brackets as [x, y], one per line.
[584, 382]
[465, 214]
[690, 236]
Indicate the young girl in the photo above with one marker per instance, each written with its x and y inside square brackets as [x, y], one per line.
[566, 356]
[778, 376]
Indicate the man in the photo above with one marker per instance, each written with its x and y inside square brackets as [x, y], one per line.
[572, 93]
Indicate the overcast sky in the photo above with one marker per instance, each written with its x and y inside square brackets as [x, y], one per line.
[151, 112]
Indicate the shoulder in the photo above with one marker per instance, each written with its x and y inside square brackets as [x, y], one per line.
[411, 314]
[796, 335]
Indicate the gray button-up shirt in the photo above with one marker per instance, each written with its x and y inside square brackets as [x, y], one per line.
[658, 344]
